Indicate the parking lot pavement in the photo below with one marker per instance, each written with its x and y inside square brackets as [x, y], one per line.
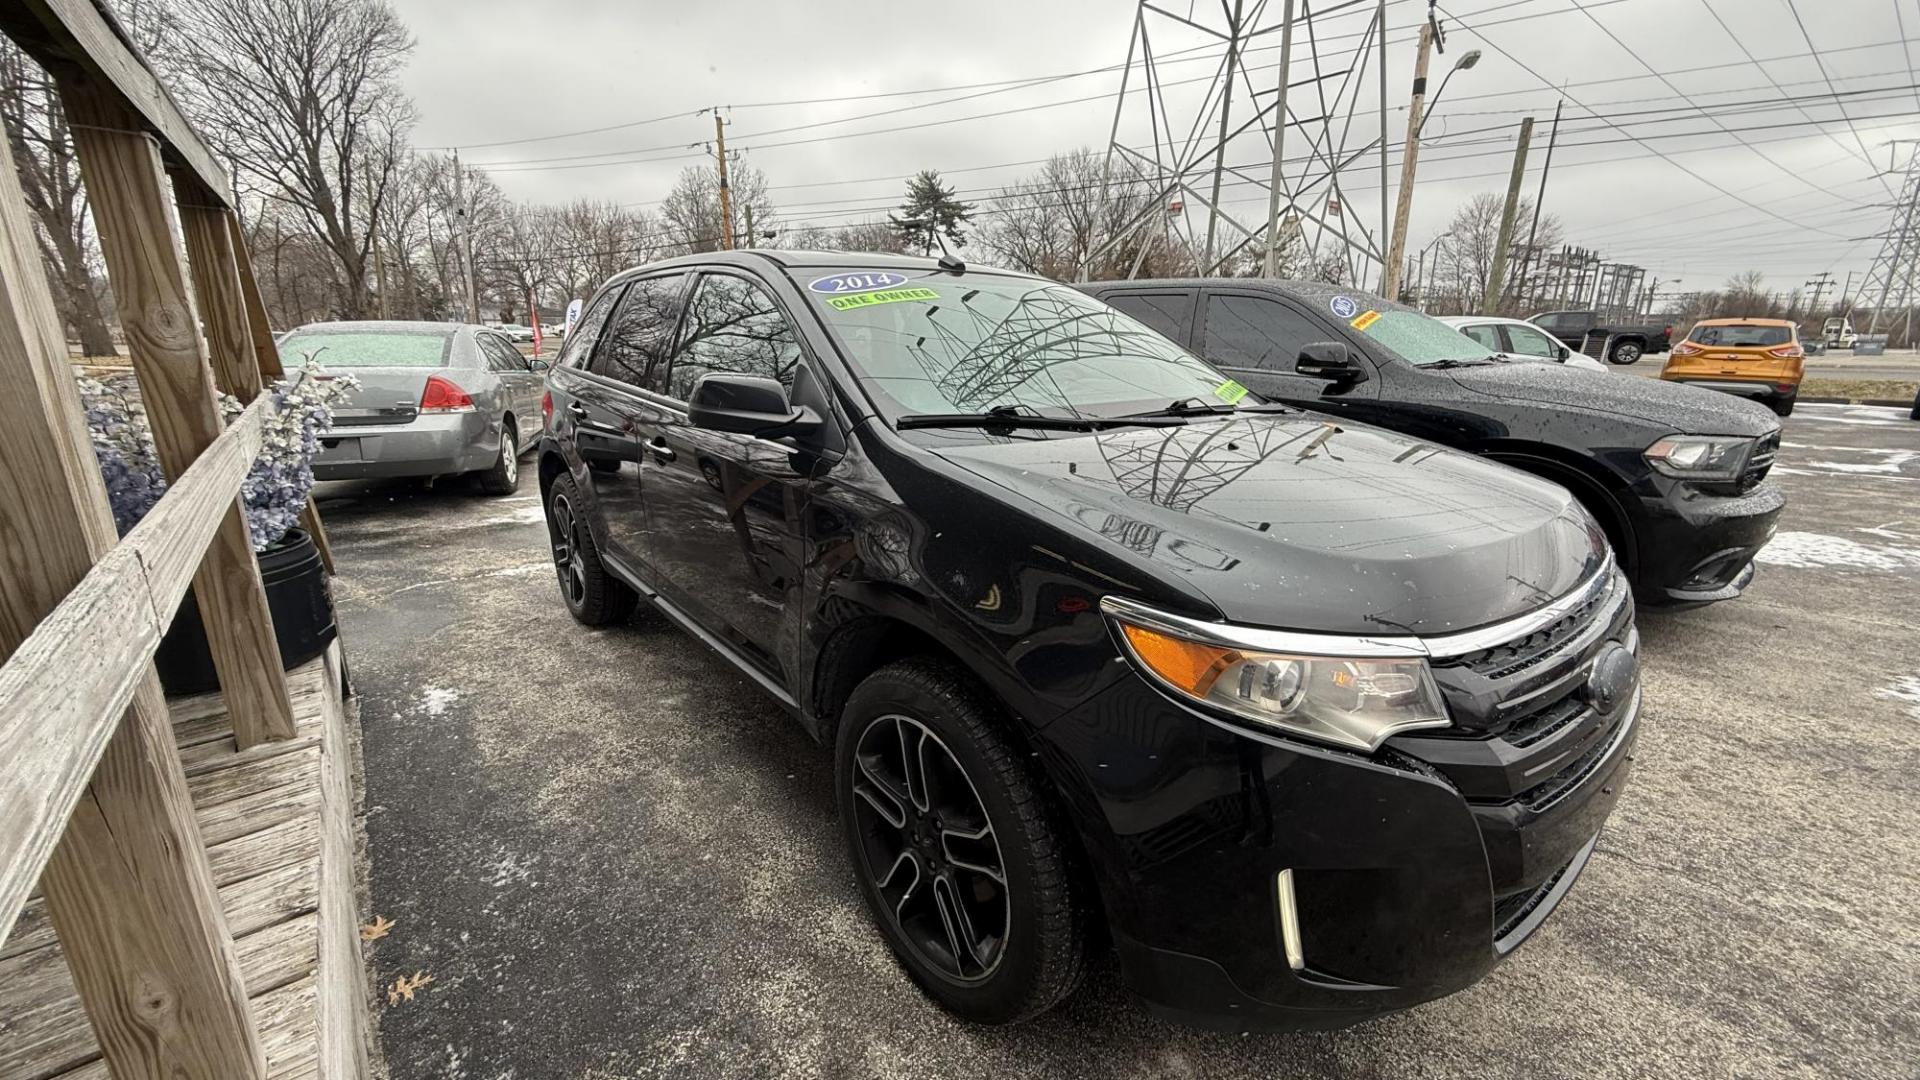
[616, 859]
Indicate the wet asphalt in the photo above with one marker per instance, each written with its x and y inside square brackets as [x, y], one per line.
[616, 859]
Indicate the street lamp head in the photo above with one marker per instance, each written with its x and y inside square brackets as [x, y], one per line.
[1470, 58]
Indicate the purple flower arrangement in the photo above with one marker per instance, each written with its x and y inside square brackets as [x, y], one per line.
[282, 476]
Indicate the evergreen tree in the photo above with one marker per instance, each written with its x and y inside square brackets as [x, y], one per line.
[930, 210]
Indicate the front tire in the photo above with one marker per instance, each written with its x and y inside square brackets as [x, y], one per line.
[960, 857]
[593, 596]
[1625, 352]
[504, 477]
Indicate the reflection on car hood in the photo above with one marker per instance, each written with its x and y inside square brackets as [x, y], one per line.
[1299, 523]
[1685, 409]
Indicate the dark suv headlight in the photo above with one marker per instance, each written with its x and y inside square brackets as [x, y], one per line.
[1701, 458]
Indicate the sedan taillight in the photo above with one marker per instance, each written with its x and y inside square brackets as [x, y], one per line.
[442, 396]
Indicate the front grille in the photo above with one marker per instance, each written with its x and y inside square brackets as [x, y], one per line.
[1545, 723]
[1543, 795]
[1761, 462]
[1513, 657]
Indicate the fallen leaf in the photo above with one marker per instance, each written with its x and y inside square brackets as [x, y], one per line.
[376, 929]
[405, 985]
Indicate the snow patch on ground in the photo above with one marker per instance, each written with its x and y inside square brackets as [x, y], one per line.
[1817, 550]
[435, 699]
[1904, 689]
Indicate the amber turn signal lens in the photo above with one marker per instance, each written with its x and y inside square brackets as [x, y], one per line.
[1188, 665]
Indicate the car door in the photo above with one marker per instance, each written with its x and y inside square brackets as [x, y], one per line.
[727, 511]
[1256, 338]
[1170, 311]
[1486, 334]
[1526, 341]
[519, 386]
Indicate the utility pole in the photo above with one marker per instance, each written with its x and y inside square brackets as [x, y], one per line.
[1397, 253]
[1220, 152]
[1386, 221]
[380, 273]
[1846, 295]
[748, 210]
[726, 192]
[1533, 230]
[1819, 285]
[464, 215]
[1496, 281]
[1271, 267]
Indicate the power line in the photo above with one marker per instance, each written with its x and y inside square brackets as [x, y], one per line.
[1821, 63]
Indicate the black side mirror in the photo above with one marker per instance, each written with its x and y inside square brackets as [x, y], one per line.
[1562, 353]
[1329, 360]
[538, 365]
[748, 405]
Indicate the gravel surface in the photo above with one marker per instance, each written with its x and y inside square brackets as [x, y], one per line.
[616, 859]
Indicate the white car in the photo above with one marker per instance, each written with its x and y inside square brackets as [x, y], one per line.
[516, 332]
[1520, 341]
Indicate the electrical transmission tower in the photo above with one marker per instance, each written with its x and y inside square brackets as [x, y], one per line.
[1177, 147]
[1890, 281]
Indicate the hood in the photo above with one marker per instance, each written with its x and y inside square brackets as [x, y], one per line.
[1295, 522]
[1686, 410]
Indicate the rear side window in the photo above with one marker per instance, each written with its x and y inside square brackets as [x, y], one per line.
[1485, 335]
[500, 355]
[1739, 334]
[1254, 332]
[733, 325]
[637, 339]
[1171, 314]
[587, 331]
[345, 349]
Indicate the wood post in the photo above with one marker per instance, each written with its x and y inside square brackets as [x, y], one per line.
[128, 886]
[129, 197]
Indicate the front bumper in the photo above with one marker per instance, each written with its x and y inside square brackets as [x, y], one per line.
[431, 444]
[1696, 547]
[1414, 869]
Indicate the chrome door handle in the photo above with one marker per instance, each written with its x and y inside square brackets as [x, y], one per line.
[661, 450]
[577, 409]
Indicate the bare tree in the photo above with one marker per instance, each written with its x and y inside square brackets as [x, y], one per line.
[691, 212]
[1464, 256]
[302, 95]
[50, 177]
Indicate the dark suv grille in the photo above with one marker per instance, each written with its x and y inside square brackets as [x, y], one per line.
[1513, 657]
[1761, 462]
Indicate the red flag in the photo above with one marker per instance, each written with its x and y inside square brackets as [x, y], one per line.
[534, 313]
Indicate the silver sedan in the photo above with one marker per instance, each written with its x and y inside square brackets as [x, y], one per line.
[435, 399]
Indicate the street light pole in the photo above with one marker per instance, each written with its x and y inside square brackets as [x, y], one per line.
[1397, 250]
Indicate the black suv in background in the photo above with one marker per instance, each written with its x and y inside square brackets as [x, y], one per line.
[1674, 474]
[1310, 721]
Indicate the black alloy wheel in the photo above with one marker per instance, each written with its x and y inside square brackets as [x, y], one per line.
[593, 596]
[563, 533]
[928, 847]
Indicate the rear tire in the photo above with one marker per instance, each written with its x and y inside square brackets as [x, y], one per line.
[1625, 352]
[971, 806]
[504, 477]
[592, 595]
[1782, 406]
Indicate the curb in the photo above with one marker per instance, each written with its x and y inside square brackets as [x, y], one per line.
[1898, 404]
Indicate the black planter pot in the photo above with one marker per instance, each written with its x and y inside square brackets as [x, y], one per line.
[302, 608]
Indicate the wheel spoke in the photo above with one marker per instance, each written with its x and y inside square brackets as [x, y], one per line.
[913, 745]
[880, 794]
[966, 861]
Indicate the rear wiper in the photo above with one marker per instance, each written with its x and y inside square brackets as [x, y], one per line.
[1004, 417]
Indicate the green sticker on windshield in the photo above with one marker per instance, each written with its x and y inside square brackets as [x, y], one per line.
[1230, 392]
[884, 296]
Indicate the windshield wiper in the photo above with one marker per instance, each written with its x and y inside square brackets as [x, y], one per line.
[1193, 406]
[1452, 362]
[1005, 416]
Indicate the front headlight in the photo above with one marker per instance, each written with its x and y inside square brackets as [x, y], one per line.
[1700, 457]
[1349, 701]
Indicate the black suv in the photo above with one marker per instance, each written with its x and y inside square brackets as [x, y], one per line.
[1310, 721]
[1673, 473]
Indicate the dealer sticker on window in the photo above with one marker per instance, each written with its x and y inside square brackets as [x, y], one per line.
[1344, 306]
[1364, 320]
[884, 296]
[858, 281]
[1230, 392]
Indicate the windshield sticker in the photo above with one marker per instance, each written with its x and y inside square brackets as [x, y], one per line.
[1230, 392]
[888, 296]
[857, 282]
[1344, 306]
[1364, 320]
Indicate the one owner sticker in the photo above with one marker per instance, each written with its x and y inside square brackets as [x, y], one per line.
[858, 281]
[1344, 306]
[1364, 320]
[887, 296]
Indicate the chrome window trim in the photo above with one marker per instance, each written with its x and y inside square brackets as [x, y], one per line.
[1351, 646]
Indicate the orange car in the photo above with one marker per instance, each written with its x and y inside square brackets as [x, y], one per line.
[1755, 358]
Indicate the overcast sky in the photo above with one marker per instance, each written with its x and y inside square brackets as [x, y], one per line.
[486, 71]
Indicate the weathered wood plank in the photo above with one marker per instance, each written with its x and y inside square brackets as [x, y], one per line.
[216, 287]
[278, 773]
[127, 883]
[340, 995]
[79, 33]
[129, 198]
[202, 718]
[286, 1017]
[241, 817]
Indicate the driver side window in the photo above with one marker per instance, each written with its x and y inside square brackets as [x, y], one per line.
[1255, 332]
[1530, 342]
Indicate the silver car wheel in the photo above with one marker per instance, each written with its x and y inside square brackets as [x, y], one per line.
[510, 455]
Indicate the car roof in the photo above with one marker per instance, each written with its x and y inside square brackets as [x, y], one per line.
[1745, 322]
[1461, 320]
[761, 258]
[1313, 292]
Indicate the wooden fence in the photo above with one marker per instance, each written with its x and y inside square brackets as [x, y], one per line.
[93, 800]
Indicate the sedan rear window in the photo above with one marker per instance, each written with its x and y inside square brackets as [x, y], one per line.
[386, 348]
[1738, 334]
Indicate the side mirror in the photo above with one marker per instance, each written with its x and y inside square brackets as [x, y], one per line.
[748, 405]
[1562, 353]
[538, 365]
[1329, 360]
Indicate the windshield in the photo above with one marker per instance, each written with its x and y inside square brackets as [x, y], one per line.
[944, 344]
[1419, 339]
[1739, 334]
[369, 348]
